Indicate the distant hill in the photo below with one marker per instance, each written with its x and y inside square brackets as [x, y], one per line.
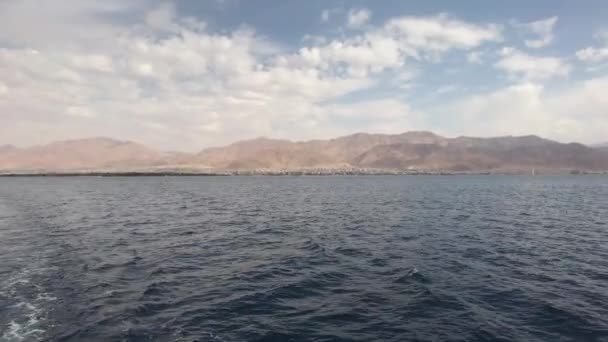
[334, 153]
[7, 148]
[411, 150]
[83, 154]
[603, 146]
[407, 151]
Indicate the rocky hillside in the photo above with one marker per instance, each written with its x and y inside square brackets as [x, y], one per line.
[83, 154]
[406, 151]
[411, 150]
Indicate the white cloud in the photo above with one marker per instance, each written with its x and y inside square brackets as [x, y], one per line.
[541, 29]
[593, 54]
[162, 18]
[325, 15]
[95, 62]
[314, 39]
[329, 13]
[602, 35]
[388, 46]
[403, 79]
[441, 33]
[475, 57]
[445, 89]
[80, 111]
[575, 113]
[213, 127]
[357, 57]
[168, 81]
[139, 83]
[389, 116]
[519, 65]
[358, 17]
[65, 23]
[506, 50]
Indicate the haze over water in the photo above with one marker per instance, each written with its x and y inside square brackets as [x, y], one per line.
[475, 258]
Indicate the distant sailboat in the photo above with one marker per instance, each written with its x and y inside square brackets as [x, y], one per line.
[533, 171]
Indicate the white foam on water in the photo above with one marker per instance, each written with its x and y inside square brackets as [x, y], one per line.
[109, 293]
[28, 330]
[29, 316]
[45, 297]
[412, 272]
[31, 324]
[8, 286]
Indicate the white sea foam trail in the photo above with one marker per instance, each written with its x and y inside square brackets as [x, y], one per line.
[27, 306]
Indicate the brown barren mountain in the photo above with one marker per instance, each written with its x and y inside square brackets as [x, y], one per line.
[407, 151]
[83, 154]
[283, 154]
[7, 148]
[603, 146]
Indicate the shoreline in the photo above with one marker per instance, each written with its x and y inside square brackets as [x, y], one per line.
[291, 173]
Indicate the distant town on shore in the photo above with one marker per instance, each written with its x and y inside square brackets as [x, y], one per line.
[409, 153]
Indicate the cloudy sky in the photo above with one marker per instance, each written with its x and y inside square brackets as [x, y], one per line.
[191, 74]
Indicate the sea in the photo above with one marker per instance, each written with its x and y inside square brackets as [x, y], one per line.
[309, 258]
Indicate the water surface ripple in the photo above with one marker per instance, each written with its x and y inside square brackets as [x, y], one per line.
[471, 258]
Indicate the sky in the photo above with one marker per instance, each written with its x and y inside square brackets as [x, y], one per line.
[184, 75]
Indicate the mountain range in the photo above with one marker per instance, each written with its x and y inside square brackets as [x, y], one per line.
[602, 146]
[423, 151]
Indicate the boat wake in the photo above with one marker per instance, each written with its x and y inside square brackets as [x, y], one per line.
[26, 306]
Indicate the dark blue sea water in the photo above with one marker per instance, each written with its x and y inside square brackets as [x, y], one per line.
[402, 258]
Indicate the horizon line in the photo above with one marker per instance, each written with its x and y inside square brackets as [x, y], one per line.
[295, 141]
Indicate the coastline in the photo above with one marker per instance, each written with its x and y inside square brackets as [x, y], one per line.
[327, 172]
